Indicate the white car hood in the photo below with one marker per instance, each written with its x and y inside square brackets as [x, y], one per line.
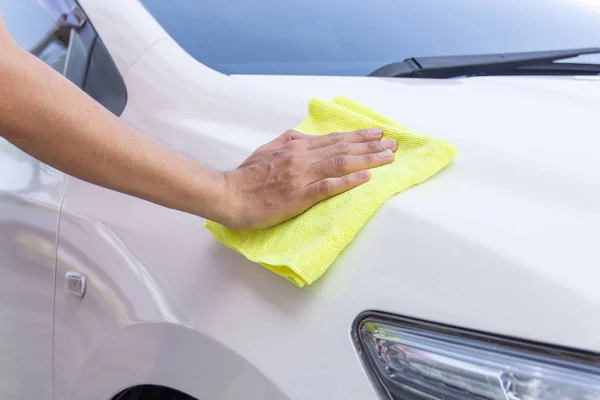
[503, 240]
[524, 188]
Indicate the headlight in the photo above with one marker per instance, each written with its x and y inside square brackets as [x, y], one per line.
[409, 359]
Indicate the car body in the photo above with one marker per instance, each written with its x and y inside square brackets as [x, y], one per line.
[503, 241]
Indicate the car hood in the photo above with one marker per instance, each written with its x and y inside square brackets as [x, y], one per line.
[525, 186]
[503, 240]
[509, 231]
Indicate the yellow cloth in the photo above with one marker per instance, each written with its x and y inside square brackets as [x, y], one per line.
[302, 248]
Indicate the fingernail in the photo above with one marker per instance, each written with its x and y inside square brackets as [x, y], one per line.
[385, 154]
[374, 131]
[363, 174]
[388, 144]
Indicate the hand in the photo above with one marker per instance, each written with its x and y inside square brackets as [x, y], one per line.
[292, 173]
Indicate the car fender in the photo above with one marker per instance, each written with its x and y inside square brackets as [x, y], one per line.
[173, 356]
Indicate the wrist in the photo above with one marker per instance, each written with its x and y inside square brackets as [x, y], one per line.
[226, 209]
[233, 206]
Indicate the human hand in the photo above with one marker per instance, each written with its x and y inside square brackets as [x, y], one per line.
[292, 173]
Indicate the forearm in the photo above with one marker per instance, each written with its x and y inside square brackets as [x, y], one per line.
[54, 121]
[49, 118]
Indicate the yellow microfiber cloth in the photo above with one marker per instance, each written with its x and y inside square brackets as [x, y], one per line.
[302, 248]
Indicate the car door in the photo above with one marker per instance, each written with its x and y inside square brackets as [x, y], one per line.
[31, 194]
[30, 198]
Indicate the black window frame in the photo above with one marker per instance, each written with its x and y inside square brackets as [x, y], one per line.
[90, 67]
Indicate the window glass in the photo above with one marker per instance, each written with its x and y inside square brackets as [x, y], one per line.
[355, 37]
[34, 30]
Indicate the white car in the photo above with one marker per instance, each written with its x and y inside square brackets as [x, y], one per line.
[481, 283]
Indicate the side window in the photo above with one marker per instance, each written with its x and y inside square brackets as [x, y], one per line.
[33, 29]
[59, 33]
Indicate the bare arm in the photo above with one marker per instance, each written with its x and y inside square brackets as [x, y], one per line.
[81, 138]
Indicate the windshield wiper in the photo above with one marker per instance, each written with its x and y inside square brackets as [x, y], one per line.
[527, 63]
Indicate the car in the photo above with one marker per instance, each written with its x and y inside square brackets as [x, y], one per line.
[480, 283]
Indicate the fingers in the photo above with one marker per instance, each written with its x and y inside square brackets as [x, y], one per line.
[344, 148]
[341, 165]
[360, 136]
[326, 188]
[293, 140]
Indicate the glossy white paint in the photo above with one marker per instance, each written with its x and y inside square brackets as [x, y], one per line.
[126, 29]
[501, 241]
[30, 198]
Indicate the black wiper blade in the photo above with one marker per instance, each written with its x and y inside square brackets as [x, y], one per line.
[554, 69]
[469, 65]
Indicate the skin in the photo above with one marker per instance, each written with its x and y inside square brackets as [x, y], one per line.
[76, 135]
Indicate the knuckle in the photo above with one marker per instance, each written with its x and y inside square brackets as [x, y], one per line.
[335, 137]
[342, 148]
[340, 163]
[370, 159]
[375, 147]
[324, 187]
[346, 180]
[289, 133]
[363, 134]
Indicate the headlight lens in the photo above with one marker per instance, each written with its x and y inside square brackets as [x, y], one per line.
[415, 360]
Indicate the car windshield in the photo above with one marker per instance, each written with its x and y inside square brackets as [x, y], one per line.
[355, 37]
